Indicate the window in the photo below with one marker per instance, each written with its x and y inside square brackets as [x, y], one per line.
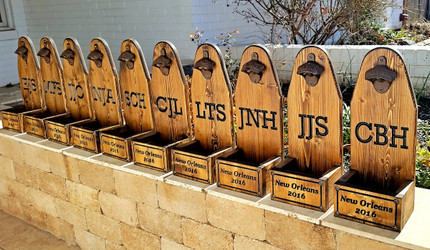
[5, 15]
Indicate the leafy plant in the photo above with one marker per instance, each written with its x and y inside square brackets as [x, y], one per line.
[346, 124]
[420, 92]
[422, 162]
[308, 21]
[225, 39]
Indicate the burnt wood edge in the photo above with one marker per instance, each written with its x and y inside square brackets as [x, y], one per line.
[148, 78]
[116, 86]
[228, 84]
[344, 181]
[33, 50]
[113, 137]
[401, 191]
[54, 52]
[108, 53]
[268, 54]
[141, 55]
[221, 60]
[411, 91]
[176, 58]
[327, 54]
[79, 52]
[190, 131]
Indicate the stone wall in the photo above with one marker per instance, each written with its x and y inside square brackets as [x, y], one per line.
[98, 202]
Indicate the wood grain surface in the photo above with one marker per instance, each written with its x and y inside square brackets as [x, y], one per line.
[29, 76]
[169, 96]
[52, 77]
[135, 90]
[212, 108]
[315, 116]
[381, 118]
[76, 84]
[259, 138]
[104, 87]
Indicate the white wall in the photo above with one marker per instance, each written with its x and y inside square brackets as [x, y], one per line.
[216, 17]
[115, 20]
[8, 44]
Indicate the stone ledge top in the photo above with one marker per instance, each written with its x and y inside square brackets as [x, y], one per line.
[414, 235]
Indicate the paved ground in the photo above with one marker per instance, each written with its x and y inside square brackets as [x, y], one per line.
[16, 234]
[9, 94]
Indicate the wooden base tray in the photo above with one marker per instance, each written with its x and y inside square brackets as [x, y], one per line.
[191, 162]
[153, 152]
[385, 209]
[34, 122]
[116, 142]
[237, 173]
[290, 185]
[58, 128]
[12, 118]
[86, 135]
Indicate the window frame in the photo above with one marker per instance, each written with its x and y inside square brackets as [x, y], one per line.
[6, 15]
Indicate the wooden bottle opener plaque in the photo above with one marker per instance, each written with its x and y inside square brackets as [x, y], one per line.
[170, 108]
[76, 89]
[104, 93]
[134, 83]
[51, 70]
[314, 105]
[212, 117]
[379, 189]
[30, 83]
[259, 115]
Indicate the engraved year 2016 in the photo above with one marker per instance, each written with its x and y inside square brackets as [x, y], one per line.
[365, 212]
[239, 182]
[190, 170]
[296, 195]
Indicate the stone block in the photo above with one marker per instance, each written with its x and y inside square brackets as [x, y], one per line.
[34, 216]
[236, 217]
[60, 228]
[72, 168]
[35, 156]
[42, 202]
[245, 243]
[19, 192]
[160, 222]
[57, 163]
[91, 174]
[113, 246]
[11, 149]
[135, 238]
[6, 168]
[27, 175]
[345, 240]
[71, 213]
[83, 196]
[136, 188]
[103, 226]
[118, 208]
[183, 201]
[87, 240]
[203, 236]
[167, 244]
[53, 185]
[11, 206]
[4, 190]
[287, 232]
